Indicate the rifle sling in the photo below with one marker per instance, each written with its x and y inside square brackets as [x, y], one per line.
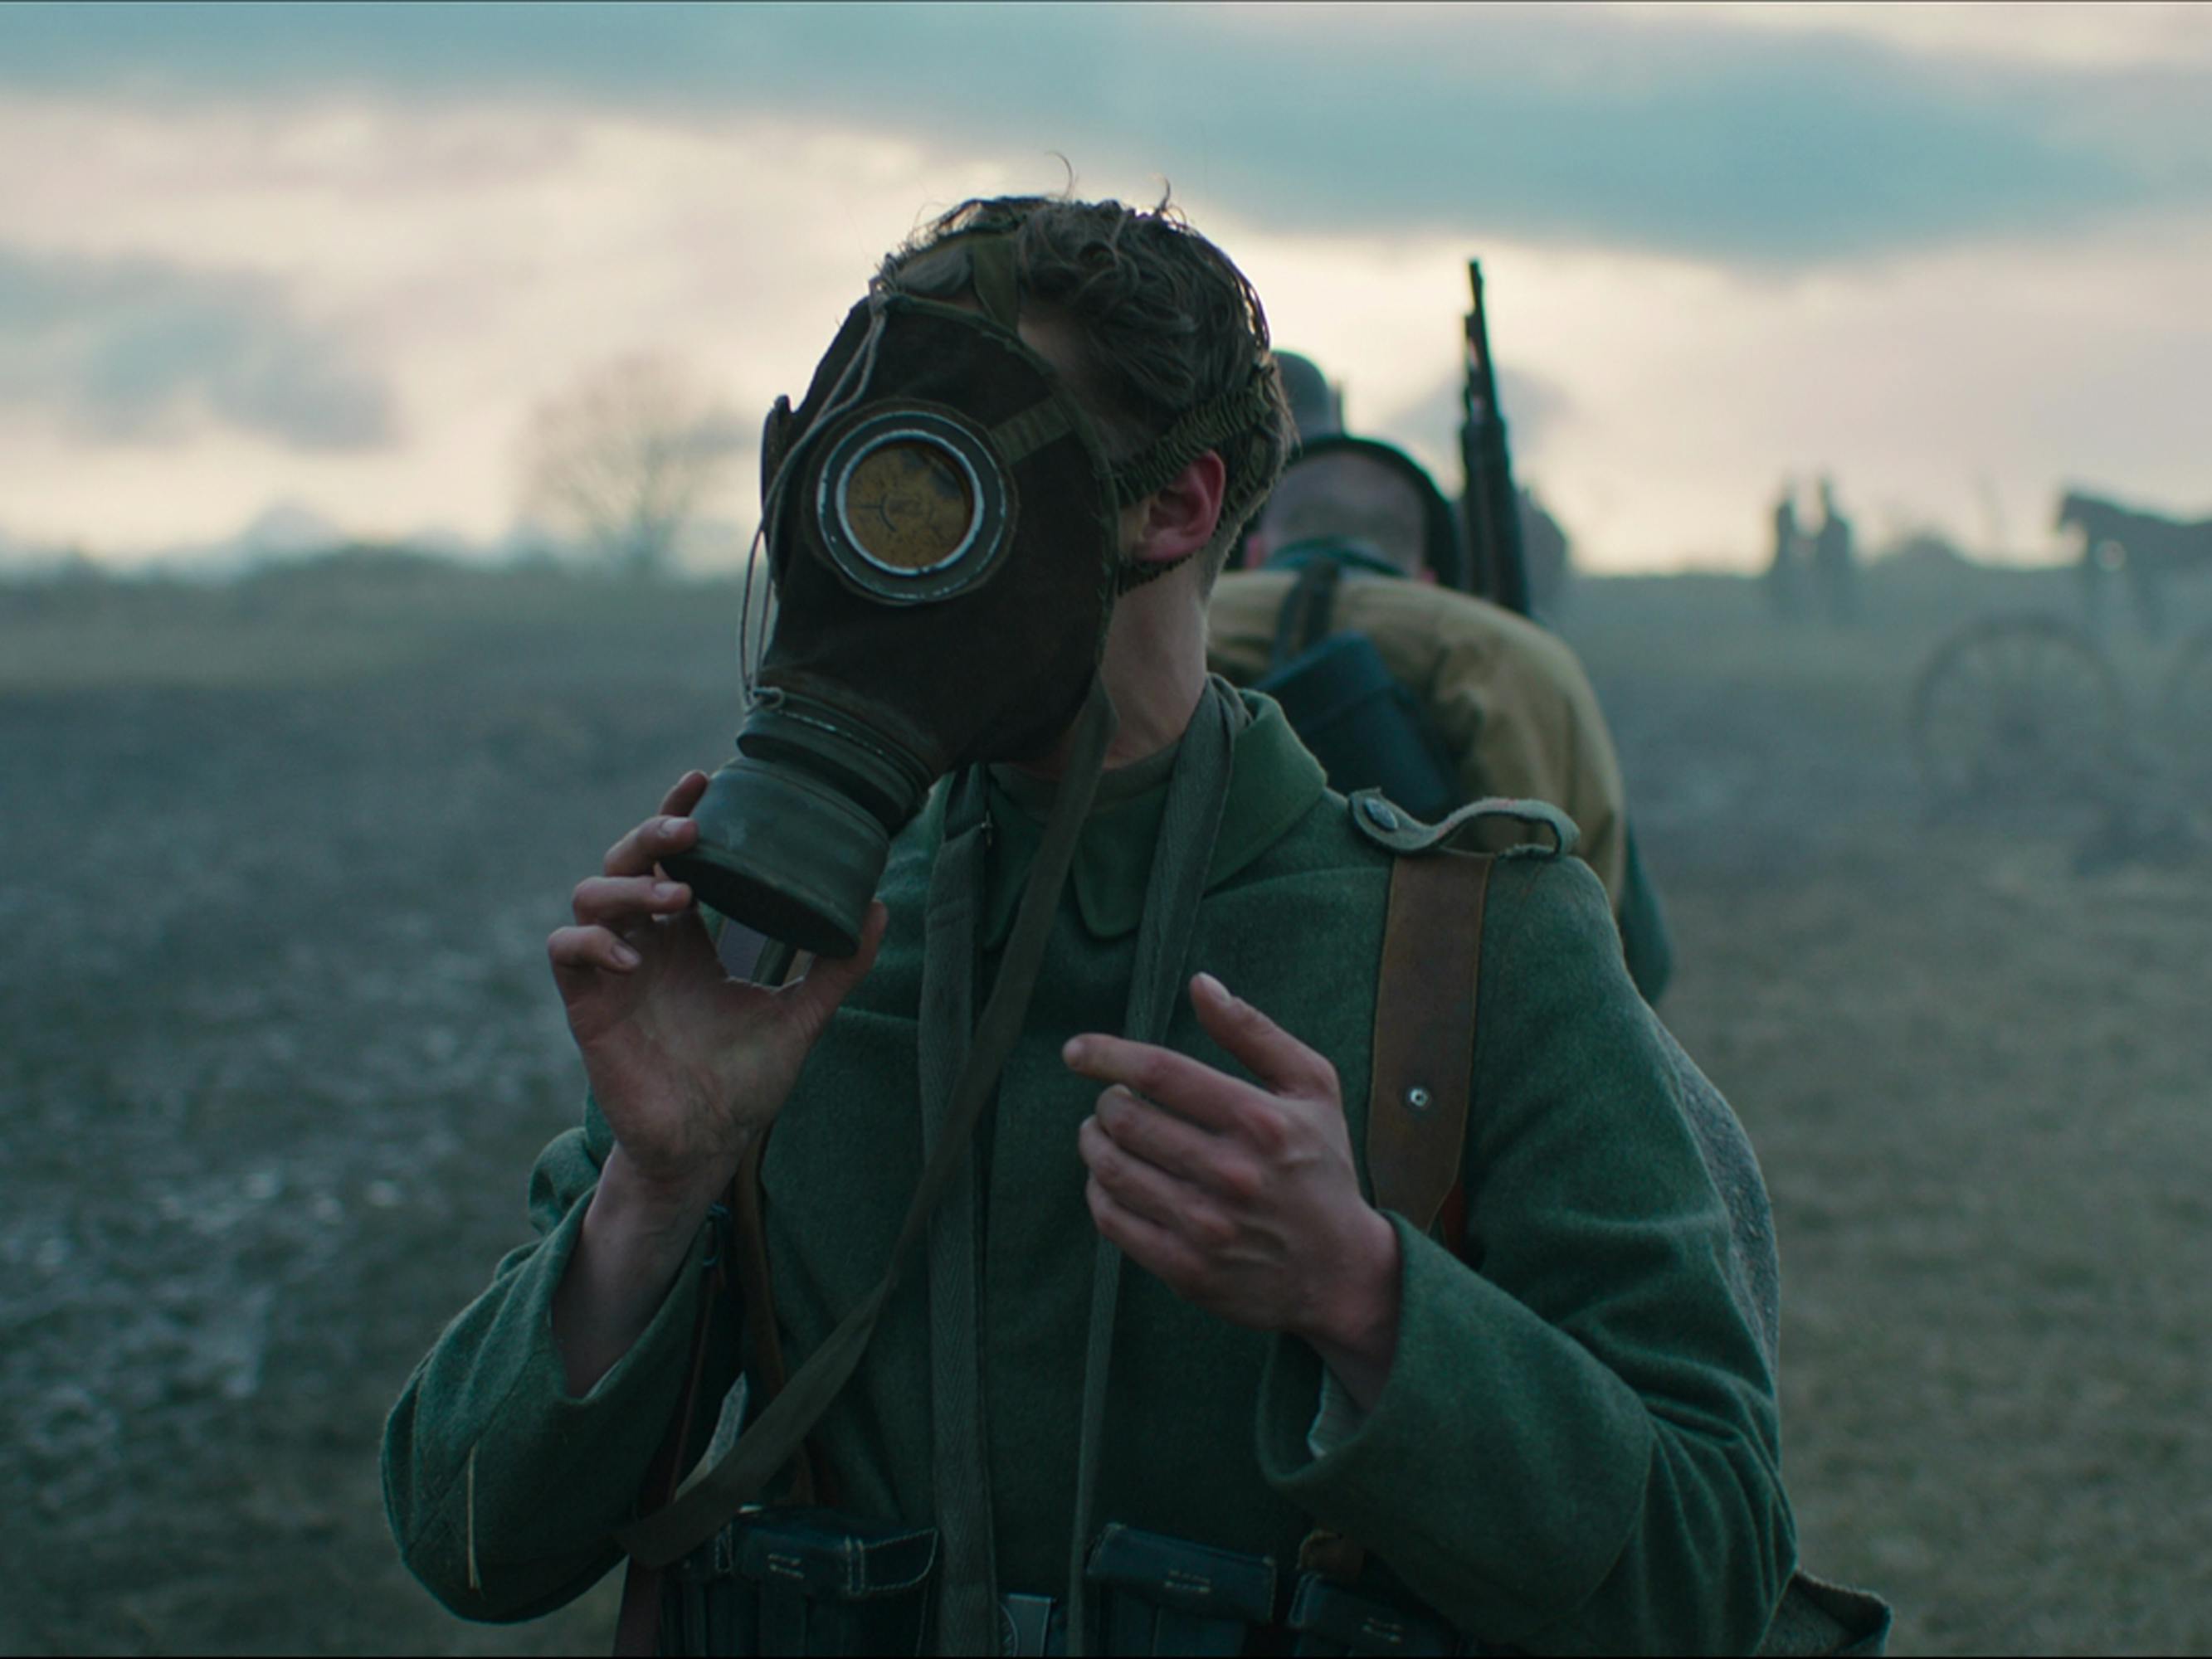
[1308, 611]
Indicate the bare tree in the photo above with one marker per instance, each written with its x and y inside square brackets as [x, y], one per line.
[622, 460]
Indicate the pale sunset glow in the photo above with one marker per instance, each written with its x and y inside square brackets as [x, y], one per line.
[328, 261]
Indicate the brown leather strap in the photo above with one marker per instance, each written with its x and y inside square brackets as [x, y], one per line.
[1424, 1074]
[745, 954]
[1423, 1054]
[757, 1301]
[637, 1625]
[749, 1240]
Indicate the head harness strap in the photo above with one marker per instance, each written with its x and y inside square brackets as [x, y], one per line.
[1210, 425]
[1194, 432]
[997, 287]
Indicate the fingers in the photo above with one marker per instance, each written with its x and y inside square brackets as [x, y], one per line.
[1151, 1193]
[636, 853]
[1178, 1148]
[1151, 1246]
[606, 901]
[1278, 1059]
[1185, 1086]
[672, 831]
[828, 981]
[684, 794]
[583, 950]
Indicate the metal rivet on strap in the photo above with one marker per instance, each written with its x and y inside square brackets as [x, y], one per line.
[1416, 1100]
[1379, 811]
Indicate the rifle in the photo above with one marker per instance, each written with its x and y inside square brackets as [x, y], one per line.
[1492, 563]
[1494, 567]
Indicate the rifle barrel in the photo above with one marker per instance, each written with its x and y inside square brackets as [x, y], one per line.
[1489, 510]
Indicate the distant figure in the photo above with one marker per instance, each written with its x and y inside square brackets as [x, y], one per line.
[1785, 572]
[1835, 562]
[1547, 555]
[2144, 548]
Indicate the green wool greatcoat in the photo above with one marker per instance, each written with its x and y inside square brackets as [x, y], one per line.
[1577, 1447]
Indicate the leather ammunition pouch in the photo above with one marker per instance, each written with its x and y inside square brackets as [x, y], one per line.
[1164, 1596]
[801, 1581]
[1148, 1595]
[1329, 1618]
[811, 1581]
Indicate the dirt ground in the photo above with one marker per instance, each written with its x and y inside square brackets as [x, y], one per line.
[276, 862]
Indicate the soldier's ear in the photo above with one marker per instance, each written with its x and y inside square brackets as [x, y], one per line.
[1180, 516]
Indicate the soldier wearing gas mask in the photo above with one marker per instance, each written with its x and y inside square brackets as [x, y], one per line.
[1506, 704]
[1064, 1318]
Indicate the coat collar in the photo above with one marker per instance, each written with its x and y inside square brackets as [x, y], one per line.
[1272, 783]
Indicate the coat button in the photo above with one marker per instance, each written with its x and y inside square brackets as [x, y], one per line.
[1379, 814]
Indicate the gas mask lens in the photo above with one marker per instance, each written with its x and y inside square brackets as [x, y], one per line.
[913, 506]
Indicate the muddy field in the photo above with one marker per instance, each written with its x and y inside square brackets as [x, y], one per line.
[276, 1044]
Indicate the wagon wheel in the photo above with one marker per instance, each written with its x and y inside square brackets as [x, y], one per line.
[2016, 711]
[2185, 714]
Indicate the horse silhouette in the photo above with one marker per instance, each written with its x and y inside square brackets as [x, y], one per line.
[2145, 548]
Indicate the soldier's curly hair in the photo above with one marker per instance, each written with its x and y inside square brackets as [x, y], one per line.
[1167, 321]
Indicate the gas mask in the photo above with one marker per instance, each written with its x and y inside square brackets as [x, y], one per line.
[942, 525]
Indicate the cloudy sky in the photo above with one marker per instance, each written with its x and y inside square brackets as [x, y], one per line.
[330, 258]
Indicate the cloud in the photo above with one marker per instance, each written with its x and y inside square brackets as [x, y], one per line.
[1535, 406]
[136, 349]
[2140, 32]
[1664, 133]
[478, 251]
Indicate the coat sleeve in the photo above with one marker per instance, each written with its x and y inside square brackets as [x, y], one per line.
[1578, 1449]
[503, 1489]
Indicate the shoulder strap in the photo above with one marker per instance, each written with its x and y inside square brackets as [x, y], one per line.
[1417, 1097]
[1424, 1048]
[1307, 611]
[1423, 1077]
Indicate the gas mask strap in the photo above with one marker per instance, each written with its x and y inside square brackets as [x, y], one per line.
[992, 269]
[851, 386]
[763, 1451]
[967, 1595]
[1206, 427]
[1182, 858]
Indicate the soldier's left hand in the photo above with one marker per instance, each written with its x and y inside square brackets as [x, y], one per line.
[1242, 1197]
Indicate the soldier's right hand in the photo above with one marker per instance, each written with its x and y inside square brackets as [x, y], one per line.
[687, 1064]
